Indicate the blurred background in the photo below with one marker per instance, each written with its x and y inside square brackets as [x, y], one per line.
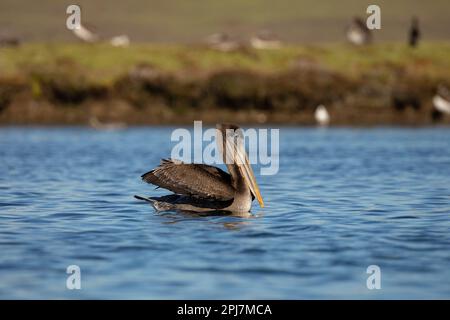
[252, 61]
[177, 21]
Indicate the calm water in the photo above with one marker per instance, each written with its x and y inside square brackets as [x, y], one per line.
[343, 199]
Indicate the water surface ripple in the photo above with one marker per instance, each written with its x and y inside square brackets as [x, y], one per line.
[343, 199]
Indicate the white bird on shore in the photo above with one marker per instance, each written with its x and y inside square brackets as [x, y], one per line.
[120, 41]
[265, 40]
[322, 116]
[441, 101]
[222, 42]
[357, 32]
[86, 35]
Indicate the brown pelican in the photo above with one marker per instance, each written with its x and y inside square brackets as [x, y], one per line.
[265, 40]
[358, 33]
[200, 187]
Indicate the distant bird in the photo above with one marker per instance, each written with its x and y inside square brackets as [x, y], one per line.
[414, 32]
[8, 40]
[120, 41]
[441, 103]
[357, 32]
[201, 187]
[222, 42]
[85, 35]
[112, 126]
[322, 116]
[265, 40]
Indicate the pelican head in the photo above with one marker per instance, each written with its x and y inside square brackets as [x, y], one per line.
[230, 139]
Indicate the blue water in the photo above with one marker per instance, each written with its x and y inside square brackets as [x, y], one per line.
[343, 199]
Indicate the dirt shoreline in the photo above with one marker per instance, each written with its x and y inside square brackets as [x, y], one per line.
[32, 113]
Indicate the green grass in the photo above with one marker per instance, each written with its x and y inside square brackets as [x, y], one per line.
[103, 63]
[287, 83]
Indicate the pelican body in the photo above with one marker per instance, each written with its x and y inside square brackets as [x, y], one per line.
[201, 187]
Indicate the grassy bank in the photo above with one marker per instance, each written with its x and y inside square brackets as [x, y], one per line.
[69, 83]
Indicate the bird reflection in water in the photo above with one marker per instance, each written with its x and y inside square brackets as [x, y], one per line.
[229, 220]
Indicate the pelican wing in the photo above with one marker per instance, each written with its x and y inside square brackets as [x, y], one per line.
[197, 180]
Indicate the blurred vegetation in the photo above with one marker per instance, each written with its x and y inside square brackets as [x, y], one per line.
[175, 21]
[104, 63]
[384, 78]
